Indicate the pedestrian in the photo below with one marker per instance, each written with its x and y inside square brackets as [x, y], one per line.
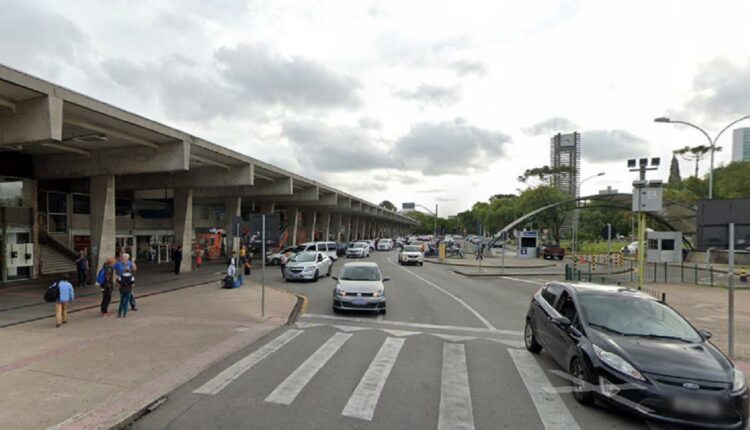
[82, 267]
[125, 284]
[198, 257]
[67, 295]
[124, 264]
[282, 262]
[177, 257]
[106, 280]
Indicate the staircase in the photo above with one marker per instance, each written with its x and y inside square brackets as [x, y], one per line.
[54, 261]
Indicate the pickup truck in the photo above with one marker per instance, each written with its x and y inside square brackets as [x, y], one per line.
[552, 252]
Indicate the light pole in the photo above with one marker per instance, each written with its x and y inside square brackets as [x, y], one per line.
[711, 142]
[576, 213]
[435, 214]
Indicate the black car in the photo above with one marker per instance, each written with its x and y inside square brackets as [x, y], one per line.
[631, 351]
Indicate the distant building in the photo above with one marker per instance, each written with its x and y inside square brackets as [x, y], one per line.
[565, 151]
[741, 144]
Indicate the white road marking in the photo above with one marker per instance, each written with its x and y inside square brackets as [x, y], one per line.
[523, 280]
[453, 338]
[365, 397]
[415, 325]
[449, 294]
[288, 390]
[455, 397]
[218, 382]
[550, 407]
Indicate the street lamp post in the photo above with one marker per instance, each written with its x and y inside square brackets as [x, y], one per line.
[435, 214]
[711, 142]
[576, 214]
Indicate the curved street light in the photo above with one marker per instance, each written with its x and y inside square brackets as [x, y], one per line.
[711, 142]
[575, 219]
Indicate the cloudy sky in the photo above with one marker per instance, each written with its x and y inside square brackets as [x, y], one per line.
[427, 101]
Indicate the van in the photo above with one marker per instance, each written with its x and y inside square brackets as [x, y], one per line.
[329, 248]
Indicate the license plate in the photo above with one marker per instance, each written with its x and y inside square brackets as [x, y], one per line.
[695, 406]
[359, 302]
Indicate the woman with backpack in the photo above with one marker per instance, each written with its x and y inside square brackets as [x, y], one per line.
[106, 280]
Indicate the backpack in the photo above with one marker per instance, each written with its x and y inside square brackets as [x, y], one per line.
[52, 293]
[101, 277]
[126, 282]
[227, 282]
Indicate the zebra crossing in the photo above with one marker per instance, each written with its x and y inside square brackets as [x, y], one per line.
[455, 409]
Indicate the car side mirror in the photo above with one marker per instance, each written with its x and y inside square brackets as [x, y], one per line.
[705, 334]
[335, 278]
[562, 321]
[386, 279]
[574, 331]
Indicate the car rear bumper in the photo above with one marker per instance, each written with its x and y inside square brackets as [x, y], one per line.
[655, 402]
[355, 255]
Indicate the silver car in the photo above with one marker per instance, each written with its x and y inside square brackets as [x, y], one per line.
[308, 265]
[359, 286]
[358, 250]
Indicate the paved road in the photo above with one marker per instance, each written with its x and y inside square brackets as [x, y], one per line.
[448, 355]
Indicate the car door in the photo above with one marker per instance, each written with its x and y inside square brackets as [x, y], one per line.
[543, 316]
[561, 340]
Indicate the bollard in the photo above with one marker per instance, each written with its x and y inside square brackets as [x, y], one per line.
[666, 267]
[696, 273]
[654, 273]
[682, 271]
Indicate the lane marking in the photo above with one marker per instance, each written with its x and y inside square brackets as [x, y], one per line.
[414, 325]
[218, 382]
[455, 397]
[288, 390]
[449, 294]
[365, 397]
[522, 280]
[550, 407]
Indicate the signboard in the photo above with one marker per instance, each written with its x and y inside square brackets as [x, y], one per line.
[713, 221]
[408, 206]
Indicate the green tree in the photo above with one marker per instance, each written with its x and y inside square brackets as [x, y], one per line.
[385, 204]
[675, 180]
[732, 181]
[544, 173]
[695, 153]
[536, 198]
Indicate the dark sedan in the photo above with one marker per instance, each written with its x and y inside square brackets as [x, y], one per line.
[631, 351]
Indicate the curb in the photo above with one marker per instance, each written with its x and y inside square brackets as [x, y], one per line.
[491, 266]
[502, 275]
[299, 307]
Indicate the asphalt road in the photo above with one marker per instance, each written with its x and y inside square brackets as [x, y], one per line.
[448, 355]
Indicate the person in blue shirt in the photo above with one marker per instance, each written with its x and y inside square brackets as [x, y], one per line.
[124, 264]
[67, 295]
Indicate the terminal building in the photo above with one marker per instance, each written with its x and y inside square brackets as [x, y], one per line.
[79, 174]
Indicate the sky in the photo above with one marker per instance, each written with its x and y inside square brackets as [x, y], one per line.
[433, 102]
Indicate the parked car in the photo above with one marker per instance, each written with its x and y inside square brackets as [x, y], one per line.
[274, 258]
[631, 351]
[359, 286]
[341, 248]
[385, 244]
[308, 265]
[411, 254]
[630, 249]
[552, 251]
[329, 248]
[358, 250]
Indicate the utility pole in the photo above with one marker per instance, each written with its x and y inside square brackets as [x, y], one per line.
[648, 199]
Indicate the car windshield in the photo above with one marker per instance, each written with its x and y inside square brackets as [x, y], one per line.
[358, 245]
[411, 248]
[359, 273]
[634, 316]
[304, 257]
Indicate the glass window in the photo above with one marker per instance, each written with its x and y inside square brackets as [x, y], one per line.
[322, 247]
[653, 244]
[550, 293]
[359, 273]
[11, 193]
[123, 207]
[304, 257]
[56, 203]
[81, 204]
[153, 209]
[57, 224]
[667, 245]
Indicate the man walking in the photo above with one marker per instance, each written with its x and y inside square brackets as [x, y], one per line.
[126, 265]
[67, 295]
[82, 267]
[177, 257]
[107, 284]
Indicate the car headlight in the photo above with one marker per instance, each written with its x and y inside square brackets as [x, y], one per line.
[309, 268]
[618, 363]
[340, 292]
[738, 381]
[380, 293]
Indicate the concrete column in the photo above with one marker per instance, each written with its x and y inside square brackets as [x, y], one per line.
[363, 233]
[267, 207]
[232, 209]
[347, 228]
[183, 225]
[292, 216]
[355, 231]
[336, 230]
[102, 220]
[325, 225]
[310, 224]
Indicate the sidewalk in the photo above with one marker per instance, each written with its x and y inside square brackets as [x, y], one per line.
[96, 372]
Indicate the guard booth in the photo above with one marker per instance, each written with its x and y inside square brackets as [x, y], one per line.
[664, 247]
[528, 241]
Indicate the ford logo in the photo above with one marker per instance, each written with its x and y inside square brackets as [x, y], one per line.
[691, 386]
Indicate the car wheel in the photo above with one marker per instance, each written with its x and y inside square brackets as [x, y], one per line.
[382, 312]
[329, 270]
[336, 310]
[275, 262]
[421, 263]
[529, 338]
[316, 276]
[560, 257]
[582, 392]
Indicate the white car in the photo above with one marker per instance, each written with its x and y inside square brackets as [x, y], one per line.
[274, 258]
[308, 266]
[359, 286]
[630, 249]
[328, 248]
[358, 250]
[385, 244]
[411, 254]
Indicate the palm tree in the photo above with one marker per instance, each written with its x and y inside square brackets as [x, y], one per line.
[695, 153]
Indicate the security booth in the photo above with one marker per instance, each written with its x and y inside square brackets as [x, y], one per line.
[664, 247]
[528, 241]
